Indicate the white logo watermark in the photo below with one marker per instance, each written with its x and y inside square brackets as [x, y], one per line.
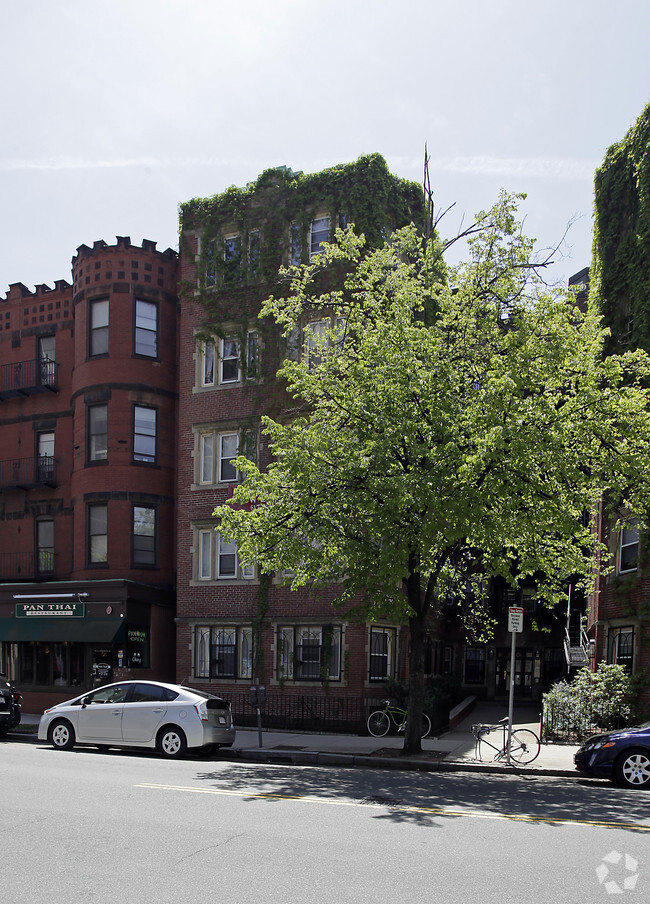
[618, 873]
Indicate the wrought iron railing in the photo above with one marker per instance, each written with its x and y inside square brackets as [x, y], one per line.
[25, 473]
[330, 712]
[28, 377]
[308, 712]
[27, 566]
[572, 721]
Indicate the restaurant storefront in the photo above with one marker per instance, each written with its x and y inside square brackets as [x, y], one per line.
[59, 640]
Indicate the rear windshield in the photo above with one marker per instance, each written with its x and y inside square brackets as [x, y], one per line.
[212, 702]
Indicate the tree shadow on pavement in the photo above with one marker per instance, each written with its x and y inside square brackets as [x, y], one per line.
[421, 797]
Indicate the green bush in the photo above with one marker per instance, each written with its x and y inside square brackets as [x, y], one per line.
[593, 701]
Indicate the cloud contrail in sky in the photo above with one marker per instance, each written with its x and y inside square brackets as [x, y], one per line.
[480, 165]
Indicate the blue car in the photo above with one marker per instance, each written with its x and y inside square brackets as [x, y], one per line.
[622, 755]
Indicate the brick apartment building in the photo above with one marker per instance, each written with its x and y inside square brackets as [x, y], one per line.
[123, 401]
[235, 626]
[88, 404]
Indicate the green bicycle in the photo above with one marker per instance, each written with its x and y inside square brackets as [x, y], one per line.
[380, 720]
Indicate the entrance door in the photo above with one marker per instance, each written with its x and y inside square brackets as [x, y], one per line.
[524, 670]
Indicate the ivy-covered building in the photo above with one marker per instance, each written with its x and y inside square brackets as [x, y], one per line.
[235, 626]
[618, 620]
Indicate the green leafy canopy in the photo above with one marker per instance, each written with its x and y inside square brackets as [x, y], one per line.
[461, 410]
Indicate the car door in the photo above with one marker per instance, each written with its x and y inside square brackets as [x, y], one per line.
[100, 716]
[144, 712]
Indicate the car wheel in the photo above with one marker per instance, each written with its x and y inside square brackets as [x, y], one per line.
[633, 769]
[61, 735]
[171, 742]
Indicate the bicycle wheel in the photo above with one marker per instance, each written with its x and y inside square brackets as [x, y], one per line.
[378, 723]
[426, 725]
[524, 746]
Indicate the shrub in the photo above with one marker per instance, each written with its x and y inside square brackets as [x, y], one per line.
[593, 701]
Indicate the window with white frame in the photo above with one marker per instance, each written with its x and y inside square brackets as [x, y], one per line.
[382, 658]
[223, 651]
[319, 233]
[309, 652]
[315, 334]
[225, 367]
[230, 360]
[228, 451]
[628, 559]
[217, 453]
[323, 336]
[218, 558]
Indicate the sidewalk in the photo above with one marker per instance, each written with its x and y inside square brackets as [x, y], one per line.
[452, 751]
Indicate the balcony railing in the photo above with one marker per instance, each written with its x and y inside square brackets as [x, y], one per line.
[28, 473]
[27, 566]
[26, 378]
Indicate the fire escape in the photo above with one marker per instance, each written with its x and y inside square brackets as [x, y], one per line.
[576, 642]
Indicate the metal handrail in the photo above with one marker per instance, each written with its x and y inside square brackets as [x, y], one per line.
[23, 376]
[25, 473]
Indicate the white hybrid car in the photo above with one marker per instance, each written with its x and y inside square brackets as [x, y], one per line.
[166, 717]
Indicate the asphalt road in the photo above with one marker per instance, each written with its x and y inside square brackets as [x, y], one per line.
[81, 827]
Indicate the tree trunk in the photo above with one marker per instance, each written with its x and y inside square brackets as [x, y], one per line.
[417, 629]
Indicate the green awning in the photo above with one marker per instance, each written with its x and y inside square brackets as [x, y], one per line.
[56, 630]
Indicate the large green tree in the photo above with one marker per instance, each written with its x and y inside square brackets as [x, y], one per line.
[445, 421]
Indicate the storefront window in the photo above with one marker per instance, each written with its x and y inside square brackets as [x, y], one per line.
[46, 664]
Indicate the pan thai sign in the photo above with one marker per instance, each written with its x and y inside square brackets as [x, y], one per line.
[50, 610]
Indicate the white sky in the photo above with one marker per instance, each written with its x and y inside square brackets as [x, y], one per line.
[114, 113]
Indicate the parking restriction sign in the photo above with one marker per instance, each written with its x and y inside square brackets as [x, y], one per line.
[515, 619]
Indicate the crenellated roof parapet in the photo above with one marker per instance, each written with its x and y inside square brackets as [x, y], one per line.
[18, 291]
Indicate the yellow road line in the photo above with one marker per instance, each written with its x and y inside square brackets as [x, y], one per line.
[430, 811]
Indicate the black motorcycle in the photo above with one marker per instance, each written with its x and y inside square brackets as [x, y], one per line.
[10, 704]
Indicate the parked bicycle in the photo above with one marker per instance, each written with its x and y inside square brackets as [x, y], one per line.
[380, 720]
[524, 743]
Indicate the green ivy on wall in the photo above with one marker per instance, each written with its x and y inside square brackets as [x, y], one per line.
[232, 281]
[620, 274]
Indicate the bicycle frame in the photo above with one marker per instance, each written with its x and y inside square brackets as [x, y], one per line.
[519, 747]
[390, 710]
[479, 738]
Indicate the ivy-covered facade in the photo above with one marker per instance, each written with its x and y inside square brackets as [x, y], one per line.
[618, 620]
[236, 627]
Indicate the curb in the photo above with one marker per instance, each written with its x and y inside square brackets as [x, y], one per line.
[314, 758]
[361, 761]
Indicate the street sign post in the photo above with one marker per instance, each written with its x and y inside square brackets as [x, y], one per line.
[515, 626]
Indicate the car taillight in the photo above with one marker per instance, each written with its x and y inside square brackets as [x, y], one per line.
[202, 711]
